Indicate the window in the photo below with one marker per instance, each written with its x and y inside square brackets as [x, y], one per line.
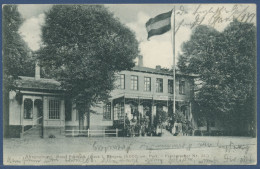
[122, 81]
[68, 110]
[134, 82]
[170, 86]
[159, 85]
[147, 84]
[122, 111]
[107, 111]
[115, 112]
[182, 87]
[54, 109]
[119, 111]
[28, 112]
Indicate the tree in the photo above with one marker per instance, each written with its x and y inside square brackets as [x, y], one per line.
[17, 60]
[241, 75]
[199, 57]
[226, 63]
[83, 47]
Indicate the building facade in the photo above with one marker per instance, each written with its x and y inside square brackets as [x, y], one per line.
[142, 92]
[39, 107]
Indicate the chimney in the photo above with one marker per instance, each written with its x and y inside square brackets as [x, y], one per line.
[140, 61]
[37, 71]
[158, 67]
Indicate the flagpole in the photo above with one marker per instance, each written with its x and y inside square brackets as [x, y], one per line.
[173, 54]
[155, 27]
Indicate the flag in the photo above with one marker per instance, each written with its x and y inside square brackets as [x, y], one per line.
[159, 24]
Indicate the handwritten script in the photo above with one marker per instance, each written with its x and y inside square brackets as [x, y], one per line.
[199, 153]
[214, 16]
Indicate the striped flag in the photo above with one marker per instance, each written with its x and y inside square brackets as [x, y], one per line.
[159, 24]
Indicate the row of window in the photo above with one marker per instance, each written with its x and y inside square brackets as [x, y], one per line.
[119, 111]
[147, 84]
[54, 109]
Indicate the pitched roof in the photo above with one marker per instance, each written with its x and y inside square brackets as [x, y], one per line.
[160, 71]
[51, 84]
[42, 83]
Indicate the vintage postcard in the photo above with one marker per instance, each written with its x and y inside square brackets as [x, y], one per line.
[129, 84]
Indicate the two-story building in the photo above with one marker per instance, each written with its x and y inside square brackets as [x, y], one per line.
[41, 102]
[146, 91]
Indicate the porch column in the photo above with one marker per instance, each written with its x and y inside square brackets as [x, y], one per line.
[152, 112]
[191, 118]
[167, 104]
[44, 114]
[33, 114]
[138, 107]
[62, 112]
[124, 112]
[141, 109]
[191, 115]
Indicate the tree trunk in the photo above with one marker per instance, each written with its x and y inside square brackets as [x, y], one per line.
[5, 112]
[88, 117]
[81, 119]
[84, 110]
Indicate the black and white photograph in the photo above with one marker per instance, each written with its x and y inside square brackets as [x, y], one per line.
[129, 84]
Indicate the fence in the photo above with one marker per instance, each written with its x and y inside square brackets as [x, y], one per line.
[91, 133]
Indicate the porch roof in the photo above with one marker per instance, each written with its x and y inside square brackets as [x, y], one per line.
[40, 84]
[144, 97]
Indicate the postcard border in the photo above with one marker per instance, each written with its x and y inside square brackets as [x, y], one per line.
[136, 2]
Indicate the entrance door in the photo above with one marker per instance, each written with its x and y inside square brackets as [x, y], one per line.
[38, 111]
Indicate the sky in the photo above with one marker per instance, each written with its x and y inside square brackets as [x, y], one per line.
[158, 49]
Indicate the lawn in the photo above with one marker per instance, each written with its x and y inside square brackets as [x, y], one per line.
[135, 150]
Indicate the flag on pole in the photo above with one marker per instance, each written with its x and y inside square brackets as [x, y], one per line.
[159, 24]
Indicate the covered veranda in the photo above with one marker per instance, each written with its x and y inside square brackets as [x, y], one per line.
[134, 108]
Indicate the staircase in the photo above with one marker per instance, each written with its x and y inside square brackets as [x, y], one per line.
[34, 132]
